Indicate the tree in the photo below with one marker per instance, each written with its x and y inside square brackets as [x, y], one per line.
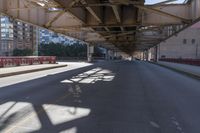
[60, 50]
[71, 50]
[22, 52]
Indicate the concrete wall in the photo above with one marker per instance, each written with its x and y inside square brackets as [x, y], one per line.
[185, 45]
[180, 10]
[195, 9]
[152, 54]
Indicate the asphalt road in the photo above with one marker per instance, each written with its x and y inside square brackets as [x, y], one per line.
[107, 97]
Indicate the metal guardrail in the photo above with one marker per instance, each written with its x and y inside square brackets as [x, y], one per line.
[27, 60]
[71, 58]
[78, 58]
[182, 61]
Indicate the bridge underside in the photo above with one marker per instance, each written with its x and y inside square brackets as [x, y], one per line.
[125, 25]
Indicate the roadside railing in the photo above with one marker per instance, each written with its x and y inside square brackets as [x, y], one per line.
[78, 58]
[182, 61]
[27, 60]
[72, 58]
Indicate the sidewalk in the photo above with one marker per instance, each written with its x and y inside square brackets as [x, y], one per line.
[189, 70]
[11, 71]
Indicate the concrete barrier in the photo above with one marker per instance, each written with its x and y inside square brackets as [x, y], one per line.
[188, 61]
[27, 60]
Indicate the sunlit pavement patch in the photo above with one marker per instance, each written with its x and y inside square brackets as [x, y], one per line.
[92, 76]
[7, 81]
[22, 118]
[71, 130]
[61, 114]
[13, 115]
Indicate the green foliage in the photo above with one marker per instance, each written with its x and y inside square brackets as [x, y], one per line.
[60, 50]
[22, 52]
[98, 52]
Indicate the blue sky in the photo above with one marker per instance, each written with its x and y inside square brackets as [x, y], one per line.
[157, 1]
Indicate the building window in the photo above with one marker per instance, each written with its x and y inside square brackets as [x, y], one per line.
[184, 41]
[193, 41]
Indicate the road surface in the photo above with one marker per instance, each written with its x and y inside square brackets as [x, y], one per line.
[106, 97]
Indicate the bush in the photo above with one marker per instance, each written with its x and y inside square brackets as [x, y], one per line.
[60, 50]
[74, 50]
[22, 52]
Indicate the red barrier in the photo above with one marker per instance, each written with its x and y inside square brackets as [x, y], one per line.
[30, 60]
[182, 61]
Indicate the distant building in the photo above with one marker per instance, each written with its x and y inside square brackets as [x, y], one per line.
[47, 37]
[19, 35]
[16, 35]
[185, 45]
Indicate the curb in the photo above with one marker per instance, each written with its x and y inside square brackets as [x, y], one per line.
[30, 71]
[192, 75]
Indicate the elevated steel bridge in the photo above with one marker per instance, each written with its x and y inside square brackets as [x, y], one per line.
[126, 25]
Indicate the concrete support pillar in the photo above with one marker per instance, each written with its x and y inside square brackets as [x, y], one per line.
[106, 55]
[150, 54]
[37, 42]
[143, 56]
[156, 53]
[90, 51]
[147, 55]
[114, 54]
[111, 54]
[0, 38]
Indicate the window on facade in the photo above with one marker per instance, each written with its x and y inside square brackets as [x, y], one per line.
[193, 41]
[4, 46]
[19, 23]
[3, 19]
[11, 36]
[184, 41]
[3, 25]
[3, 35]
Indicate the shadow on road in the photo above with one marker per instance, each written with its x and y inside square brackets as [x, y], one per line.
[78, 101]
